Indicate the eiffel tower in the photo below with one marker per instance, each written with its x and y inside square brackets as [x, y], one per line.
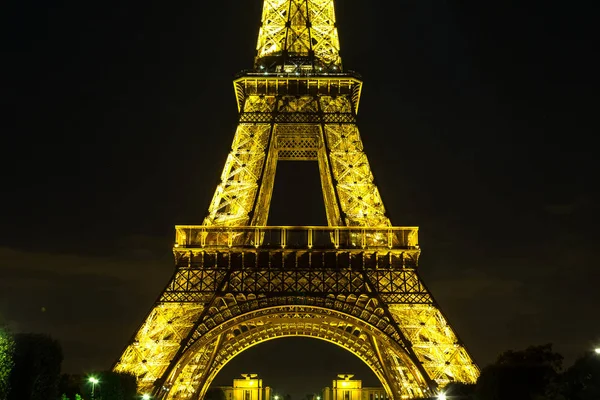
[354, 283]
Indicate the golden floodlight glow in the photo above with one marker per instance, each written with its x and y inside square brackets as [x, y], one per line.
[296, 29]
[353, 283]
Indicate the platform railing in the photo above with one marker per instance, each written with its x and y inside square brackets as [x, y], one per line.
[293, 237]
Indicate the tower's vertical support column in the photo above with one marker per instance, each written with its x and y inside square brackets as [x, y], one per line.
[358, 196]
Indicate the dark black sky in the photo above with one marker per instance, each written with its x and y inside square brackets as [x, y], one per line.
[479, 119]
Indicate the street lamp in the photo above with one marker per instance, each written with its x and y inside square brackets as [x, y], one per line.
[276, 397]
[597, 350]
[146, 397]
[94, 381]
[442, 396]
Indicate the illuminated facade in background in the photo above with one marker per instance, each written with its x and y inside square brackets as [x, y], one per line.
[248, 388]
[346, 388]
[353, 283]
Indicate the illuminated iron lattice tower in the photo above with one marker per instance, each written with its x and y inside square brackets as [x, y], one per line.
[353, 283]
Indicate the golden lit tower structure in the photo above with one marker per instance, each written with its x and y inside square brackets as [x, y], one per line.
[354, 283]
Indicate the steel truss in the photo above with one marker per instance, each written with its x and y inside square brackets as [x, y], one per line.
[298, 35]
[237, 287]
[353, 283]
[281, 125]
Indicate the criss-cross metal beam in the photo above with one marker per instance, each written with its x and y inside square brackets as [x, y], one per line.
[239, 283]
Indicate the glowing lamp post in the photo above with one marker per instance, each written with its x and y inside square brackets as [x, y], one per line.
[94, 381]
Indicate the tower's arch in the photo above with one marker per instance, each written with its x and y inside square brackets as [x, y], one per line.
[202, 361]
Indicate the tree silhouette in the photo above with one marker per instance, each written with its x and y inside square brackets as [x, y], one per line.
[36, 371]
[70, 385]
[7, 347]
[520, 375]
[582, 380]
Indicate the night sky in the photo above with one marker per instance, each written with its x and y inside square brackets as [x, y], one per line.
[478, 119]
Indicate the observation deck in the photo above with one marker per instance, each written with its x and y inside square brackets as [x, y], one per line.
[298, 247]
[299, 83]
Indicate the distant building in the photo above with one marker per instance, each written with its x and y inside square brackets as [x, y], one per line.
[346, 388]
[248, 388]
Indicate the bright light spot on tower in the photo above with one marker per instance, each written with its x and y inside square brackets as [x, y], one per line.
[597, 350]
[442, 396]
[146, 397]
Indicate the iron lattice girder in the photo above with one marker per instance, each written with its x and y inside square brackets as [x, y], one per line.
[297, 118]
[356, 286]
[422, 328]
[317, 114]
[395, 286]
[241, 267]
[157, 341]
[244, 194]
[296, 32]
[198, 276]
[225, 274]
